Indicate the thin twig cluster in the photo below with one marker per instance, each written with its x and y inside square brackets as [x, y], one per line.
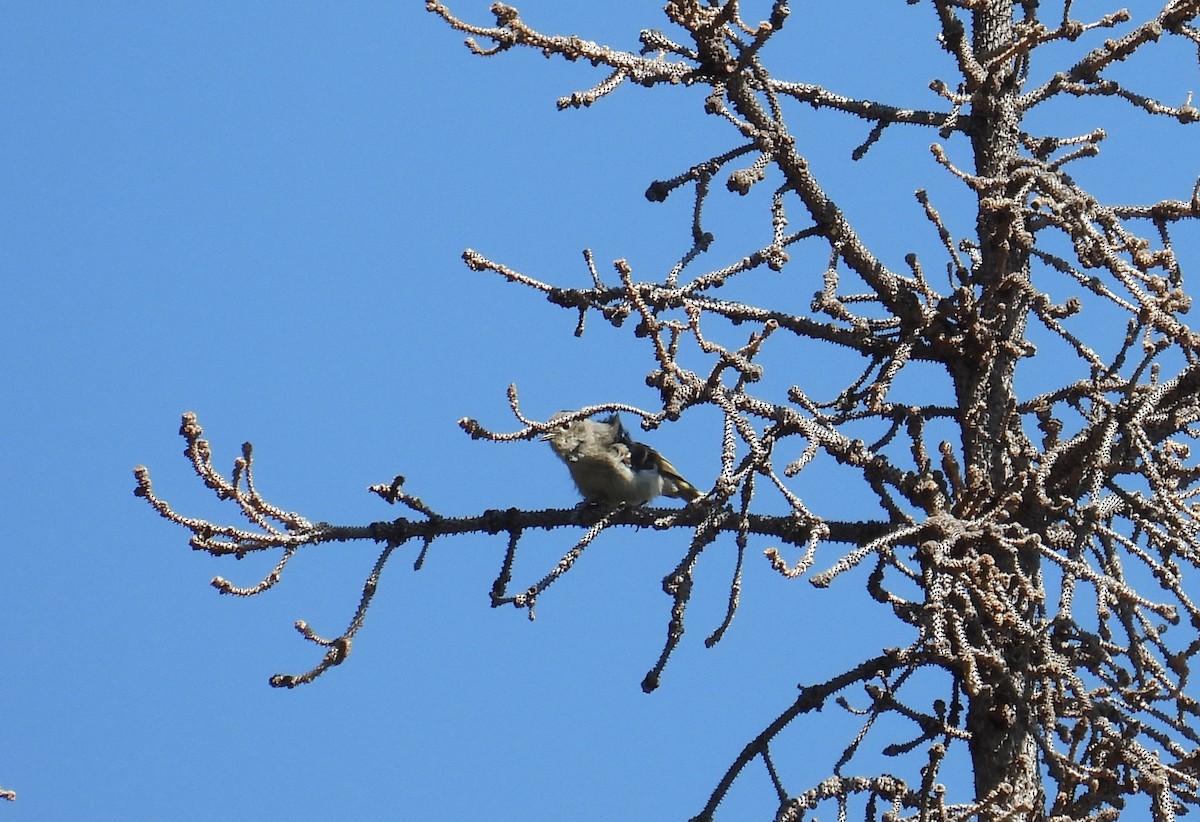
[1039, 553]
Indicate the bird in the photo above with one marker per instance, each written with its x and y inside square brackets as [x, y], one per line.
[608, 466]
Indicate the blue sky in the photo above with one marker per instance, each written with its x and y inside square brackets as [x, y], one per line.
[255, 211]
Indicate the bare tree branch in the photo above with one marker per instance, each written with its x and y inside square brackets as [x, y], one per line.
[1037, 547]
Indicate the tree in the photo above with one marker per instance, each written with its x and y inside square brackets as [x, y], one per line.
[1035, 542]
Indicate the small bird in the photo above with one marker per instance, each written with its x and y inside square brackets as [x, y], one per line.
[608, 466]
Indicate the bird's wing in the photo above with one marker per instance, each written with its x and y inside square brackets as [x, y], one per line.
[683, 489]
[644, 458]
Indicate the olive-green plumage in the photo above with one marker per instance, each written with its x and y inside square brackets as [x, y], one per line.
[608, 466]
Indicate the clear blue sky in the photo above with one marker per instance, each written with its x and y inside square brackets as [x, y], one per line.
[255, 211]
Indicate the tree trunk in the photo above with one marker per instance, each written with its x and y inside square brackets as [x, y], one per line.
[1003, 748]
